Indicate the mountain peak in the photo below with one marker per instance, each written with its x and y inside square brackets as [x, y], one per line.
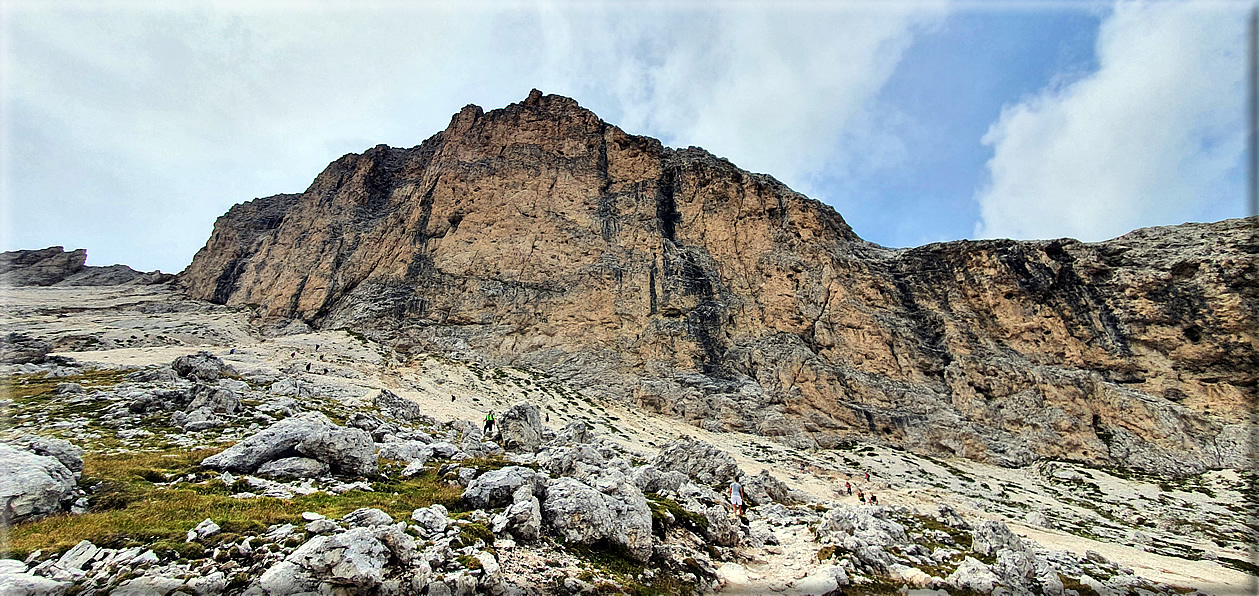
[537, 234]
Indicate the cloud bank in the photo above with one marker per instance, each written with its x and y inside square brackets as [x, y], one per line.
[129, 130]
[1154, 136]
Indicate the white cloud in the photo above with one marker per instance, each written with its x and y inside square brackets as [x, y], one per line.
[129, 130]
[1153, 137]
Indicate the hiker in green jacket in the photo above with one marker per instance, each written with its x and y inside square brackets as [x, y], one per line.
[489, 423]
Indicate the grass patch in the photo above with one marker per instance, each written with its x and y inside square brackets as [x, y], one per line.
[130, 511]
[22, 388]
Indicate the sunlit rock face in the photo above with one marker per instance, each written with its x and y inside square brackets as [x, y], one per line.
[539, 235]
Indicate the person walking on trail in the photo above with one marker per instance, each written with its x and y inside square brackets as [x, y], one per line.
[736, 497]
[867, 475]
[873, 499]
[848, 485]
[861, 496]
[489, 423]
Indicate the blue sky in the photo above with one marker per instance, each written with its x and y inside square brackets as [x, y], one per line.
[128, 127]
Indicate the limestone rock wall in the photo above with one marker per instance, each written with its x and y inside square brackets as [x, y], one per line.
[539, 235]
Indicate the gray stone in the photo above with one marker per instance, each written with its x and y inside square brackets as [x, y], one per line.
[763, 489]
[349, 451]
[523, 519]
[78, 556]
[148, 585]
[585, 515]
[68, 388]
[366, 517]
[20, 348]
[495, 488]
[431, 520]
[400, 407]
[572, 433]
[278, 440]
[650, 479]
[407, 451]
[720, 530]
[28, 584]
[203, 529]
[294, 467]
[209, 585]
[32, 485]
[218, 400]
[866, 524]
[699, 460]
[202, 366]
[443, 450]
[64, 451]
[520, 428]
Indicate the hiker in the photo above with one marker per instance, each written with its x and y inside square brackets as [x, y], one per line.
[861, 496]
[489, 422]
[293, 355]
[873, 499]
[848, 485]
[736, 497]
[867, 475]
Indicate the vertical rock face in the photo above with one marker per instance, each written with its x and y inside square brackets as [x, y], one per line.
[539, 235]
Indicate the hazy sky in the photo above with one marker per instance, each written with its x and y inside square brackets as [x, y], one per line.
[129, 127]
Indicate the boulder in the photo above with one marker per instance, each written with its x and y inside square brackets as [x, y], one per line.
[720, 530]
[351, 562]
[400, 407]
[763, 489]
[349, 451]
[32, 485]
[202, 366]
[866, 524]
[62, 450]
[218, 400]
[523, 519]
[431, 520]
[276, 441]
[708, 465]
[574, 432]
[69, 388]
[650, 479]
[294, 467]
[20, 348]
[582, 514]
[407, 451]
[197, 420]
[520, 428]
[366, 517]
[991, 537]
[15, 583]
[973, 575]
[496, 488]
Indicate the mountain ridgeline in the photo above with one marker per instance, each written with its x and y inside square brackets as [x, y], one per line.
[539, 235]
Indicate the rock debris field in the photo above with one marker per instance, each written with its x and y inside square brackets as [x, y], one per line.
[157, 445]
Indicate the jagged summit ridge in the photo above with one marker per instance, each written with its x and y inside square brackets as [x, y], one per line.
[537, 234]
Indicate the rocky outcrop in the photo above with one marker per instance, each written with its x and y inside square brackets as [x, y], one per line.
[539, 235]
[20, 348]
[55, 266]
[277, 441]
[32, 485]
[520, 427]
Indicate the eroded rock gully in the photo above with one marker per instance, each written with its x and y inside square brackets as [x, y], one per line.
[539, 235]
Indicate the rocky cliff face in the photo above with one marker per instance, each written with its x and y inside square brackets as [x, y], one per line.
[54, 266]
[539, 235]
